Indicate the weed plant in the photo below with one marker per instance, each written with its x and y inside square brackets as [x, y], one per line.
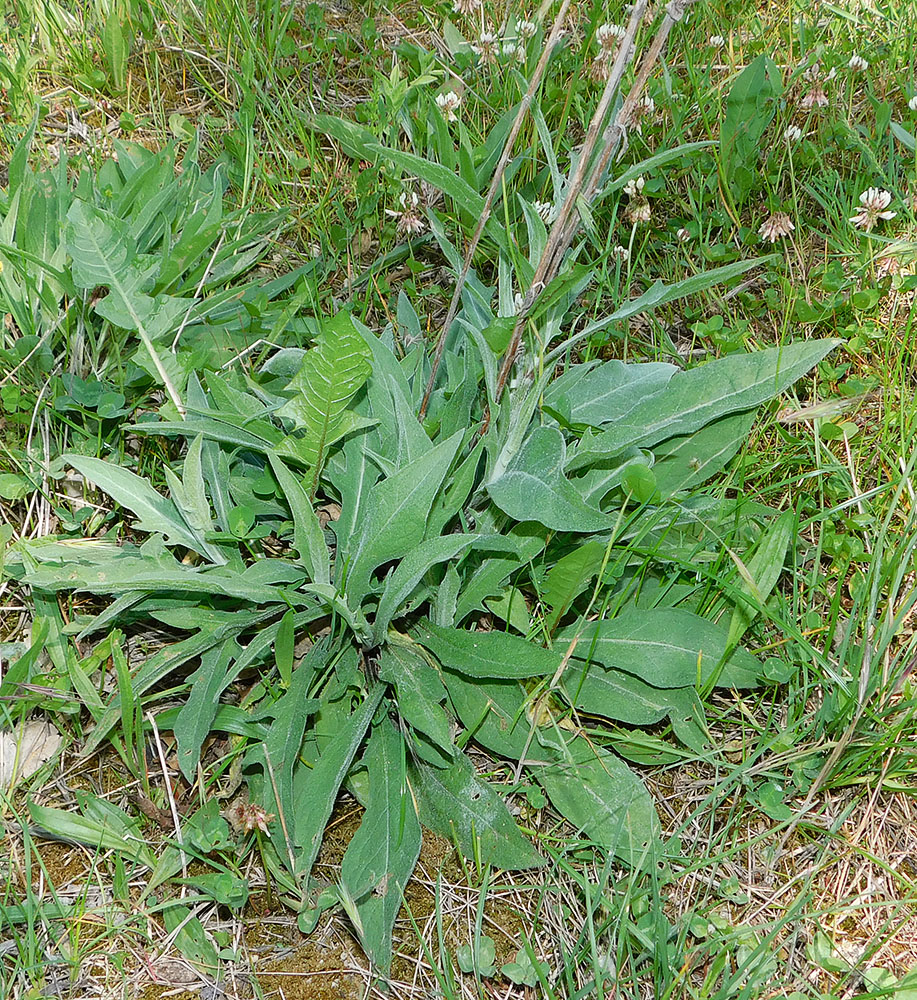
[468, 565]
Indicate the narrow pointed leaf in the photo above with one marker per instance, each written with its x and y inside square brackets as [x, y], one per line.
[601, 797]
[308, 537]
[454, 802]
[700, 395]
[315, 789]
[154, 512]
[486, 655]
[383, 852]
[534, 488]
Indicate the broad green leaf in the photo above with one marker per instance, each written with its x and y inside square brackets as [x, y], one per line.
[750, 107]
[453, 497]
[605, 394]
[278, 752]
[101, 833]
[614, 694]
[493, 712]
[383, 853]
[190, 497]
[196, 716]
[308, 537]
[357, 142]
[511, 607]
[154, 511]
[419, 690]
[257, 435]
[488, 579]
[401, 583]
[157, 667]
[685, 462]
[454, 802]
[486, 655]
[132, 573]
[665, 647]
[656, 295]
[331, 374]
[355, 482]
[600, 796]
[284, 648]
[189, 936]
[395, 514]
[762, 573]
[103, 253]
[534, 488]
[569, 577]
[315, 789]
[700, 395]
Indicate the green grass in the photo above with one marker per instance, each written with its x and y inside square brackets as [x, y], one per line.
[747, 886]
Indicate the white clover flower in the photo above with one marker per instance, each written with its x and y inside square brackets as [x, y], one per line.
[716, 41]
[448, 103]
[621, 253]
[683, 235]
[874, 204]
[912, 103]
[487, 47]
[775, 227]
[545, 209]
[509, 48]
[466, 6]
[832, 73]
[601, 67]
[792, 133]
[815, 97]
[643, 108]
[639, 210]
[634, 186]
[857, 64]
[526, 29]
[888, 266]
[607, 35]
[410, 221]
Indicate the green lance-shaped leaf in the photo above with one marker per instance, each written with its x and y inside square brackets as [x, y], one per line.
[196, 715]
[665, 647]
[589, 396]
[308, 537]
[153, 510]
[104, 253]
[108, 830]
[750, 107]
[383, 852]
[454, 802]
[599, 795]
[760, 575]
[315, 789]
[614, 694]
[685, 462]
[700, 395]
[394, 515]
[534, 488]
[331, 374]
[487, 655]
[569, 577]
[492, 711]
[419, 691]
